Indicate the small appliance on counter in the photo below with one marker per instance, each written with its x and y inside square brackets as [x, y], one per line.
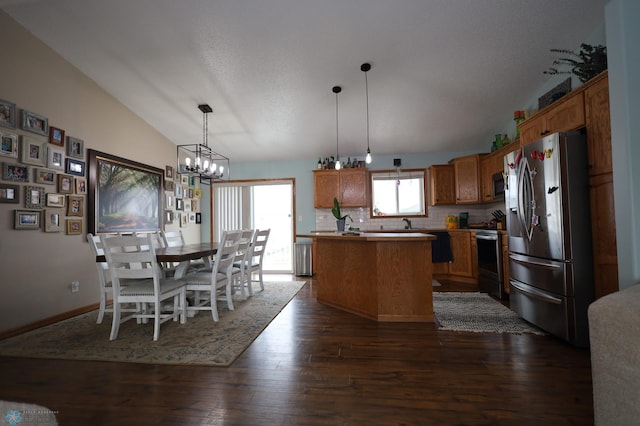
[451, 222]
[463, 221]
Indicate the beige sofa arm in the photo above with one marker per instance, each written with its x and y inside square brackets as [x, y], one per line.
[614, 334]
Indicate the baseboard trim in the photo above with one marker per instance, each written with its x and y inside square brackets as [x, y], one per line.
[47, 321]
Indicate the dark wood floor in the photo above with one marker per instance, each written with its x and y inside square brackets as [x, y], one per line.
[316, 365]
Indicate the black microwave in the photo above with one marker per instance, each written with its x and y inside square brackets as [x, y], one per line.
[498, 186]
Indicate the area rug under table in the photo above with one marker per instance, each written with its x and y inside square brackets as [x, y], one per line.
[477, 312]
[199, 341]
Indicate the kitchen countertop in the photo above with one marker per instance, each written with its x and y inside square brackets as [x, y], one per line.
[369, 236]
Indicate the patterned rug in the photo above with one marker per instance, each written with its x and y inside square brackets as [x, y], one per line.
[479, 313]
[199, 341]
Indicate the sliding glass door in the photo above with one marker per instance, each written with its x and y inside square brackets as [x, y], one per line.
[258, 205]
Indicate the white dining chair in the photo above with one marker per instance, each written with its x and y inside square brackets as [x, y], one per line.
[241, 262]
[207, 286]
[176, 239]
[256, 257]
[143, 286]
[104, 278]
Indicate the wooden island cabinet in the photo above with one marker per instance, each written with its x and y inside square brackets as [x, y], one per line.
[349, 186]
[381, 276]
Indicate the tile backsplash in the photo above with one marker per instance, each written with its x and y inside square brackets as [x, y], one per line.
[436, 220]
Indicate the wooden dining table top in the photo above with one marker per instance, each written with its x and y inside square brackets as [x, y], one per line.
[180, 254]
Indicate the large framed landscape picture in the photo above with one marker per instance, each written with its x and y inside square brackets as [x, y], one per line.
[124, 195]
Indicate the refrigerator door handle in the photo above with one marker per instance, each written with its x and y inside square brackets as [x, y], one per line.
[527, 261]
[536, 294]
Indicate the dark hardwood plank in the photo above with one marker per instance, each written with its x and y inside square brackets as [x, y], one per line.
[316, 365]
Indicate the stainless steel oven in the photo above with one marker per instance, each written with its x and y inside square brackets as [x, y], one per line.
[490, 277]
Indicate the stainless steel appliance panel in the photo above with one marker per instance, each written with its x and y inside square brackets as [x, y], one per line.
[490, 276]
[550, 275]
[548, 311]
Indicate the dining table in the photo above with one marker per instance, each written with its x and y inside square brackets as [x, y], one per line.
[183, 255]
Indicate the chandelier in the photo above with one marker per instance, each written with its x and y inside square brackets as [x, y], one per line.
[199, 160]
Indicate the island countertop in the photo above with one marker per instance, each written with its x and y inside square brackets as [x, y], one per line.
[369, 236]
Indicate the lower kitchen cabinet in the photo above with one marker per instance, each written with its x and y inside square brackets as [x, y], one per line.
[464, 266]
[505, 262]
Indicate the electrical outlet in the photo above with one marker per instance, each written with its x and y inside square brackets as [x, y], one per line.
[75, 286]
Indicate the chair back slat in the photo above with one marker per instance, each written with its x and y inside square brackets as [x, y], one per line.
[127, 264]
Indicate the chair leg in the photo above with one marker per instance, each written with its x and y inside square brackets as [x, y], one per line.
[214, 308]
[183, 307]
[115, 323]
[156, 321]
[261, 281]
[103, 306]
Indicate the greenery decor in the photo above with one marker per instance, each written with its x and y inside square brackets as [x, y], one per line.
[586, 64]
[336, 210]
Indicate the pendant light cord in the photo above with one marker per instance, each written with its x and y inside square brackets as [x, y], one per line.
[337, 144]
[366, 86]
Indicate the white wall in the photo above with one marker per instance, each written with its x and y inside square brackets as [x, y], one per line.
[36, 268]
[623, 33]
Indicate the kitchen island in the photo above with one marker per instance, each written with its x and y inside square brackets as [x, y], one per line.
[381, 276]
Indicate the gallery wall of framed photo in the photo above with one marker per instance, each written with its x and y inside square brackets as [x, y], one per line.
[182, 199]
[43, 172]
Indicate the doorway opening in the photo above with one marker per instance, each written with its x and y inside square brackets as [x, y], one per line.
[264, 204]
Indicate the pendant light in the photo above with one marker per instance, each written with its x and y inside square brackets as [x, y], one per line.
[364, 68]
[336, 90]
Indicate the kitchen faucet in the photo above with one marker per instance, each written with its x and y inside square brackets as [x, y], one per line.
[408, 225]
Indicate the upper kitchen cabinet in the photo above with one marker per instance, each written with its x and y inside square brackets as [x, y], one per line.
[596, 104]
[442, 184]
[561, 116]
[467, 178]
[349, 186]
[491, 168]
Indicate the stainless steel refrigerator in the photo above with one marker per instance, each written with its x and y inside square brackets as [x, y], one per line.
[548, 223]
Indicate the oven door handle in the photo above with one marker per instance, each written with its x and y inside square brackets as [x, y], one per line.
[486, 237]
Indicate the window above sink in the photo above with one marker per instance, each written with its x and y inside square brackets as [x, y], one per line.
[398, 193]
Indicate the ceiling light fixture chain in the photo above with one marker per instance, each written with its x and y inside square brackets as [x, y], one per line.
[365, 68]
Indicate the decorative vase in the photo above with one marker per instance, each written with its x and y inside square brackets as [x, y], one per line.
[341, 223]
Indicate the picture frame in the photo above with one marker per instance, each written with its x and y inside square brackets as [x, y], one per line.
[55, 158]
[197, 193]
[195, 205]
[52, 220]
[178, 190]
[9, 193]
[65, 184]
[190, 193]
[123, 195]
[198, 218]
[34, 197]
[169, 201]
[192, 181]
[75, 205]
[9, 143]
[81, 186]
[178, 217]
[168, 185]
[15, 172]
[192, 218]
[74, 167]
[184, 180]
[168, 172]
[184, 219]
[75, 148]
[56, 136]
[56, 200]
[34, 123]
[44, 176]
[186, 205]
[74, 226]
[33, 151]
[168, 217]
[26, 219]
[179, 204]
[7, 114]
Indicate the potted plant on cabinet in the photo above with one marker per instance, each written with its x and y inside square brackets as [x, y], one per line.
[340, 220]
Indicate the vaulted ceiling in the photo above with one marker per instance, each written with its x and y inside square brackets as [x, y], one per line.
[446, 74]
